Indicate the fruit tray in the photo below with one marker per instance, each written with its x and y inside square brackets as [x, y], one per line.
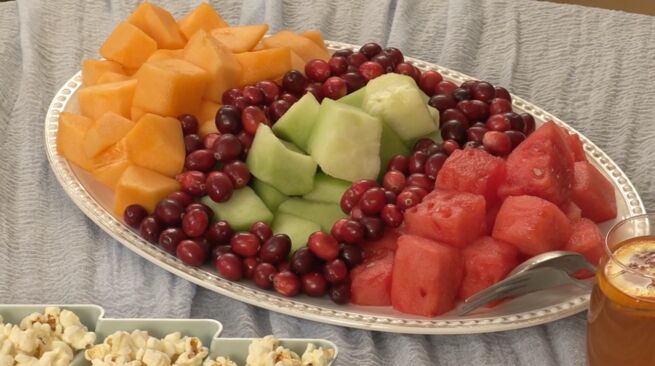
[533, 309]
[207, 330]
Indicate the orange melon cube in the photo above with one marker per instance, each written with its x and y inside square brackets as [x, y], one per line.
[315, 36]
[170, 87]
[128, 45]
[156, 143]
[141, 186]
[104, 132]
[112, 77]
[99, 99]
[70, 134]
[223, 68]
[92, 70]
[163, 54]
[206, 127]
[268, 64]
[202, 17]
[136, 113]
[109, 165]
[159, 24]
[297, 62]
[240, 39]
[207, 111]
[305, 48]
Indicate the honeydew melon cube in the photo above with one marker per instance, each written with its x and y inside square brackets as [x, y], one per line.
[390, 145]
[354, 99]
[298, 229]
[399, 102]
[345, 142]
[327, 189]
[297, 123]
[242, 210]
[273, 162]
[271, 196]
[322, 213]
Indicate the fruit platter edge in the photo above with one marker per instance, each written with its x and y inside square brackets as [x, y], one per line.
[542, 307]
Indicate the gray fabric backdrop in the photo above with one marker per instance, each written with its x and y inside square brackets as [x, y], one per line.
[593, 68]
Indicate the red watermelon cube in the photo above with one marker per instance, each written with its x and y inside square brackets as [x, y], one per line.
[572, 211]
[586, 240]
[473, 171]
[370, 282]
[593, 193]
[453, 218]
[486, 262]
[576, 146]
[379, 248]
[533, 225]
[541, 166]
[426, 276]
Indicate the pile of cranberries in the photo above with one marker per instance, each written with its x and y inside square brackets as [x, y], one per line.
[473, 115]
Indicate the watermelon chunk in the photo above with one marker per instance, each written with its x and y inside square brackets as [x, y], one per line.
[586, 240]
[492, 212]
[379, 248]
[541, 166]
[533, 225]
[593, 193]
[572, 211]
[370, 283]
[473, 171]
[576, 146]
[486, 262]
[453, 218]
[426, 276]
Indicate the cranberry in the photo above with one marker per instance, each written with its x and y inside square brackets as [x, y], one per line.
[460, 94]
[476, 133]
[420, 180]
[391, 215]
[275, 249]
[241, 103]
[351, 232]
[263, 275]
[416, 162]
[194, 223]
[192, 143]
[313, 284]
[246, 140]
[394, 181]
[342, 53]
[398, 163]
[317, 70]
[227, 148]
[229, 266]
[498, 122]
[483, 91]
[515, 137]
[294, 81]
[230, 95]
[370, 49]
[474, 110]
[407, 199]
[339, 293]
[395, 55]
[451, 114]
[338, 65]
[228, 119]
[170, 238]
[418, 191]
[335, 231]
[253, 94]
[354, 81]
[284, 265]
[201, 160]
[191, 253]
[168, 211]
[428, 82]
[502, 93]
[384, 61]
[373, 227]
[468, 85]
[219, 233]
[249, 264]
[261, 230]
[245, 244]
[286, 283]
[404, 68]
[453, 130]
[497, 143]
[426, 145]
[251, 117]
[390, 197]
[515, 121]
[449, 146]
[351, 255]
[499, 105]
[316, 90]
[323, 245]
[238, 173]
[372, 201]
[445, 87]
[433, 165]
[529, 123]
[209, 140]
[355, 59]
[334, 88]
[149, 229]
[352, 195]
[442, 102]
[192, 182]
[370, 70]
[134, 214]
[183, 198]
[303, 261]
[289, 98]
[335, 271]
[199, 206]
[219, 186]
[269, 90]
[278, 108]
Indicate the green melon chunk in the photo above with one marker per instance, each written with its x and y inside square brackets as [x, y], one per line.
[298, 229]
[390, 145]
[398, 101]
[327, 189]
[354, 99]
[242, 210]
[297, 123]
[324, 214]
[434, 113]
[271, 196]
[272, 162]
[345, 142]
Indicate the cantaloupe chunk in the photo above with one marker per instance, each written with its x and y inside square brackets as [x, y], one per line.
[136, 113]
[207, 111]
[240, 39]
[112, 77]
[156, 143]
[159, 24]
[109, 165]
[163, 54]
[104, 132]
[207, 127]
[223, 68]
[297, 62]
[170, 87]
[102, 98]
[128, 45]
[70, 134]
[92, 70]
[304, 47]
[141, 186]
[314, 36]
[268, 64]
[202, 17]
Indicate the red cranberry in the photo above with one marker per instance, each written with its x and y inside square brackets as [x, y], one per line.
[529, 123]
[483, 91]
[170, 238]
[134, 214]
[497, 143]
[192, 182]
[499, 105]
[503, 93]
[269, 90]
[370, 49]
[201, 160]
[373, 227]
[351, 232]
[294, 82]
[449, 146]
[168, 211]
[192, 143]
[275, 249]
[339, 293]
[149, 229]
[354, 81]
[407, 199]
[194, 223]
[335, 271]
[356, 58]
[228, 119]
[391, 215]
[238, 173]
[313, 284]
[317, 70]
[323, 245]
[474, 110]
[515, 137]
[245, 244]
[191, 253]
[398, 163]
[263, 275]
[445, 87]
[334, 88]
[429, 80]
[219, 186]
[442, 102]
[498, 122]
[338, 65]
[219, 233]
[229, 266]
[370, 70]
[433, 165]
[230, 95]
[286, 283]
[372, 201]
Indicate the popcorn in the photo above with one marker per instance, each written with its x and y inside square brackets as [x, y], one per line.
[268, 352]
[219, 361]
[316, 356]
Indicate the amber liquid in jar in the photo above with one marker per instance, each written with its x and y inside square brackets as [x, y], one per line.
[621, 318]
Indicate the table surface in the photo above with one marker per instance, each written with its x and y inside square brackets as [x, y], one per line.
[593, 68]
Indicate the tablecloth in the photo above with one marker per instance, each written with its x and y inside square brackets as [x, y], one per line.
[593, 68]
